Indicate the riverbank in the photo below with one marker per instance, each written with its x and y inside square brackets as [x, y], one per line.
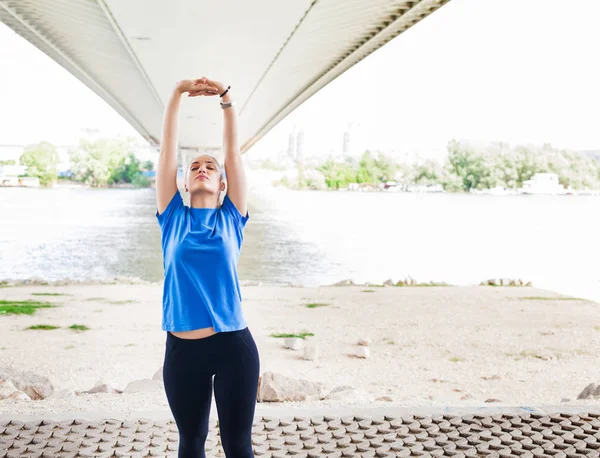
[428, 346]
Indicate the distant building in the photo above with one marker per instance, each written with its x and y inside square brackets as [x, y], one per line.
[543, 183]
[346, 143]
[300, 147]
[291, 152]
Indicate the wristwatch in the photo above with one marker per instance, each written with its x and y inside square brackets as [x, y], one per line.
[227, 104]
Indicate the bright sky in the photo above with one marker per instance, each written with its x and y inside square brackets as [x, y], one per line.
[485, 70]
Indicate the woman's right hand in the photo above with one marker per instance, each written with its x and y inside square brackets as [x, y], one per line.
[196, 87]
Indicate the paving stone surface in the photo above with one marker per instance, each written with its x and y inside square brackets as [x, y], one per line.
[487, 435]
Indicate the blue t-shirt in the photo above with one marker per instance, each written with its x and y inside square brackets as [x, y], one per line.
[201, 248]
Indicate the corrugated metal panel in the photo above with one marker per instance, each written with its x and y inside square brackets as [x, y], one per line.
[275, 54]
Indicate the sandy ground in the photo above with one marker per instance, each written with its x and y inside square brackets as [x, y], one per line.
[430, 346]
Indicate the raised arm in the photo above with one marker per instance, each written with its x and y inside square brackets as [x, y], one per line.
[166, 175]
[234, 168]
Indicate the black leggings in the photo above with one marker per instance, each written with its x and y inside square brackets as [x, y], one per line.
[232, 357]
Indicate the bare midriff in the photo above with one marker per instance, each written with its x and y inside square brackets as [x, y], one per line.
[195, 334]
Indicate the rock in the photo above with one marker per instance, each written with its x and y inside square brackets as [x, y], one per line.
[294, 343]
[158, 375]
[19, 396]
[348, 393]
[364, 342]
[9, 391]
[62, 394]
[144, 386]
[102, 388]
[592, 391]
[385, 398]
[388, 282]
[492, 400]
[36, 386]
[491, 377]
[362, 352]
[311, 353]
[278, 388]
[565, 400]
[344, 283]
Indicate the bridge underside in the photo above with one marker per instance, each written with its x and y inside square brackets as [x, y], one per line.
[274, 54]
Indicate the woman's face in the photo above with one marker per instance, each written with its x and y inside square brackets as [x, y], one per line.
[204, 175]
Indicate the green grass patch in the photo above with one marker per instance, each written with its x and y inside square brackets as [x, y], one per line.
[43, 327]
[49, 294]
[96, 299]
[79, 327]
[302, 335]
[456, 359]
[315, 305]
[529, 354]
[389, 341]
[22, 307]
[70, 347]
[129, 301]
[368, 291]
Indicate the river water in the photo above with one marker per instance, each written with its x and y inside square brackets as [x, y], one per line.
[315, 238]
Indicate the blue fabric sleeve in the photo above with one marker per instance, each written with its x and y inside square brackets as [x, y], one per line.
[231, 210]
[174, 206]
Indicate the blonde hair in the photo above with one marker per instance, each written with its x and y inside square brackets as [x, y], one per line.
[219, 168]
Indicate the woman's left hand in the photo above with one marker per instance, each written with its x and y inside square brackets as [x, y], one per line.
[216, 84]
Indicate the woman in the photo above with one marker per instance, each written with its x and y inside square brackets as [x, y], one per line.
[207, 334]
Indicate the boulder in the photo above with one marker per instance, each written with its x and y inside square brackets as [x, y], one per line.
[158, 375]
[9, 391]
[344, 283]
[62, 394]
[293, 343]
[362, 352]
[36, 386]
[144, 386]
[348, 394]
[102, 388]
[592, 391]
[278, 388]
[311, 353]
[364, 342]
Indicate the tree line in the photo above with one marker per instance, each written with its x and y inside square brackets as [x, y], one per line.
[467, 167]
[97, 163]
